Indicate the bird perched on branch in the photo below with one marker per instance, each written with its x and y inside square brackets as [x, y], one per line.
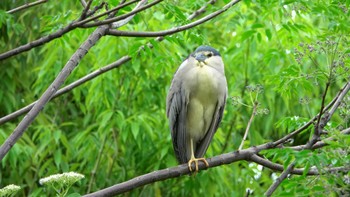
[195, 104]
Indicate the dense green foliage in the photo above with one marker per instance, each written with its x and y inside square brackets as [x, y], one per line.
[114, 127]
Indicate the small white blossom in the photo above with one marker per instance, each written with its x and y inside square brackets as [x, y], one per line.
[295, 118]
[65, 178]
[9, 190]
[274, 176]
[257, 169]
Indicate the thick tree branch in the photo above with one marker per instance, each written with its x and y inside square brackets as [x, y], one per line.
[51, 90]
[223, 159]
[68, 88]
[77, 83]
[172, 173]
[25, 6]
[249, 154]
[173, 30]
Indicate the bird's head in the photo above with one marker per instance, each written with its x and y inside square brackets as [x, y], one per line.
[206, 55]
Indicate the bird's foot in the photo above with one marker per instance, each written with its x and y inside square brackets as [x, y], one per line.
[195, 161]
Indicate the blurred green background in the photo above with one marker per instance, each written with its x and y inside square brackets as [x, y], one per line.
[114, 127]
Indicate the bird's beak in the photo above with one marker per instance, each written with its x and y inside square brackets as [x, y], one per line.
[200, 57]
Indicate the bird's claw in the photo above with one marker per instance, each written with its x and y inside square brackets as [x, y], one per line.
[195, 161]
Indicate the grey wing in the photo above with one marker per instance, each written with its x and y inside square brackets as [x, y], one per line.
[203, 144]
[176, 112]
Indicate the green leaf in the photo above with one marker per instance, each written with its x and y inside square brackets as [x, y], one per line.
[135, 129]
[248, 34]
[268, 34]
[58, 157]
[74, 195]
[306, 168]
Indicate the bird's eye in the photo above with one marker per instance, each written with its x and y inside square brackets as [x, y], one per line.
[210, 54]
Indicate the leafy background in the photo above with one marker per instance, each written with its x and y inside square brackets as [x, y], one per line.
[114, 127]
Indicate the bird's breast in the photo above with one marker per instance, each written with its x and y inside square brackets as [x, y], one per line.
[204, 92]
[204, 84]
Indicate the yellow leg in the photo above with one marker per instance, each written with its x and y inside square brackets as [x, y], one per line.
[195, 160]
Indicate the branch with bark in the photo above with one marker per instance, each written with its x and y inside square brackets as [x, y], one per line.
[71, 26]
[84, 23]
[104, 28]
[175, 29]
[52, 89]
[26, 6]
[92, 75]
[249, 154]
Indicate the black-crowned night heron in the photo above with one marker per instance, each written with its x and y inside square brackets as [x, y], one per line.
[195, 104]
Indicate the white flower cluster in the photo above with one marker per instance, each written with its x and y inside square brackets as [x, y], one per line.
[9, 190]
[295, 118]
[64, 178]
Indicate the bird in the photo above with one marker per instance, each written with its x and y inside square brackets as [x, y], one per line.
[195, 104]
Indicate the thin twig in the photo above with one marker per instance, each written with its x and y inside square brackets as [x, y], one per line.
[84, 23]
[85, 10]
[97, 163]
[201, 10]
[68, 88]
[116, 152]
[249, 154]
[339, 100]
[170, 31]
[76, 83]
[227, 138]
[126, 20]
[319, 127]
[248, 125]
[118, 7]
[51, 90]
[57, 34]
[25, 6]
[278, 167]
[83, 3]
[319, 144]
[279, 180]
[94, 10]
[342, 91]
